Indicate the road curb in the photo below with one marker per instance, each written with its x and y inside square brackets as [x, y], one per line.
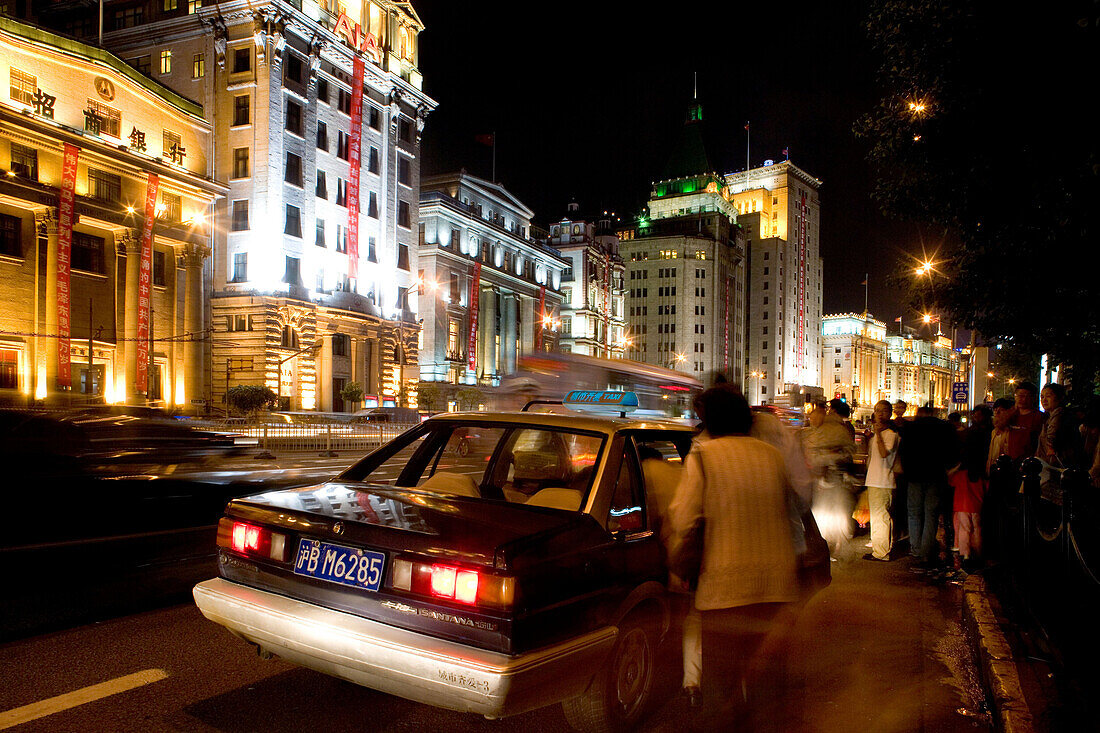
[995, 659]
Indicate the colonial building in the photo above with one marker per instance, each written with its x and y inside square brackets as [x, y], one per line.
[779, 209]
[318, 110]
[592, 314]
[491, 291]
[920, 371]
[106, 201]
[685, 268]
[853, 360]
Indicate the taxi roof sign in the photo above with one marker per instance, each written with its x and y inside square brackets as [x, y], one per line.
[601, 400]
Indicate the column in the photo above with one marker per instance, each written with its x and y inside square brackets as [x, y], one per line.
[130, 319]
[487, 325]
[46, 223]
[193, 257]
[508, 337]
[527, 323]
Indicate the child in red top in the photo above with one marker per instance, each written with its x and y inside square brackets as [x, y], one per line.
[970, 483]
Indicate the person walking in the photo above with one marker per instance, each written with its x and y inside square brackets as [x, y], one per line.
[880, 482]
[737, 488]
[928, 448]
[970, 482]
[829, 449]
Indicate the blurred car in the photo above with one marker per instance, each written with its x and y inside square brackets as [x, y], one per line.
[487, 562]
[399, 415]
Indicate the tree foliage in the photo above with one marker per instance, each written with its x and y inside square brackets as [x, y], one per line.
[352, 392]
[430, 396]
[250, 398]
[1001, 165]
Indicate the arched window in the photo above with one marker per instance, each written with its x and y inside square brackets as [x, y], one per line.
[290, 338]
[406, 43]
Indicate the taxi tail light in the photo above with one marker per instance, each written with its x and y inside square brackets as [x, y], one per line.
[251, 539]
[454, 583]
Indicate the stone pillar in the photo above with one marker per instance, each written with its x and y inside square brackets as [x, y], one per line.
[46, 223]
[528, 319]
[508, 337]
[130, 319]
[487, 325]
[192, 260]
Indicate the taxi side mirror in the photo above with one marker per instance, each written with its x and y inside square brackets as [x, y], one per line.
[624, 521]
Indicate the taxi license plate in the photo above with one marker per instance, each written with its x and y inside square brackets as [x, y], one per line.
[339, 564]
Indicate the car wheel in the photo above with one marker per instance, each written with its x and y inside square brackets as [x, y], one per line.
[463, 447]
[619, 695]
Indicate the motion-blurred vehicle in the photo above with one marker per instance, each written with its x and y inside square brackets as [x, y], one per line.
[398, 415]
[490, 562]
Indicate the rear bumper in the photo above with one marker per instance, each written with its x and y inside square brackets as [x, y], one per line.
[401, 662]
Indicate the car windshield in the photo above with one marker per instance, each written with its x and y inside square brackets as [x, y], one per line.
[521, 464]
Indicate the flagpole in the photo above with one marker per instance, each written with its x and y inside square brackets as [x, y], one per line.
[748, 134]
[494, 156]
[866, 280]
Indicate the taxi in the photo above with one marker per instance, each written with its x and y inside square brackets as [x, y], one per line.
[493, 576]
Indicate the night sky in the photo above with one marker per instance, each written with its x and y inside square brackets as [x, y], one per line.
[586, 102]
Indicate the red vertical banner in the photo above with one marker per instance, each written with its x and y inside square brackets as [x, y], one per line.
[145, 282]
[803, 211]
[354, 157]
[471, 338]
[541, 318]
[607, 307]
[726, 348]
[65, 214]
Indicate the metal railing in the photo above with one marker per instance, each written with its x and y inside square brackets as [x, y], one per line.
[359, 437]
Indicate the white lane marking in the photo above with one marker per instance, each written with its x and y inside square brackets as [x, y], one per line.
[27, 713]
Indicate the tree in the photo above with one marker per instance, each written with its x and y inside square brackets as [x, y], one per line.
[250, 398]
[1009, 191]
[430, 396]
[352, 393]
[469, 398]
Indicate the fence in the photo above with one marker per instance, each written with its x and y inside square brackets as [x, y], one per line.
[328, 437]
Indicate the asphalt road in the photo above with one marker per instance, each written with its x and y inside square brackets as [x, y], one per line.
[879, 650]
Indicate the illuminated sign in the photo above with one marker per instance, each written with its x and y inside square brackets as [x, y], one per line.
[355, 37]
[145, 279]
[104, 88]
[471, 339]
[621, 401]
[66, 213]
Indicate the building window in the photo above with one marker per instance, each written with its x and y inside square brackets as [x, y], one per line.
[372, 249]
[240, 162]
[322, 136]
[404, 171]
[320, 237]
[294, 68]
[342, 140]
[104, 186]
[341, 192]
[404, 131]
[322, 90]
[87, 252]
[293, 117]
[9, 369]
[343, 101]
[372, 160]
[101, 119]
[339, 344]
[402, 256]
[172, 210]
[159, 267]
[375, 119]
[293, 225]
[322, 185]
[293, 273]
[240, 266]
[341, 238]
[293, 172]
[240, 110]
[403, 218]
[168, 141]
[24, 161]
[242, 59]
[11, 240]
[129, 17]
[372, 205]
[23, 86]
[165, 62]
[198, 66]
[289, 338]
[240, 215]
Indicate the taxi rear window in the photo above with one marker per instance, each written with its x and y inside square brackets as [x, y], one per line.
[521, 464]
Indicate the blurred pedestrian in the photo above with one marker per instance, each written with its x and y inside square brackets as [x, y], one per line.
[829, 449]
[970, 482]
[880, 482]
[900, 408]
[928, 449]
[842, 410]
[737, 487]
[899, 507]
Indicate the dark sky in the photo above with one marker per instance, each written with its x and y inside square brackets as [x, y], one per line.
[586, 101]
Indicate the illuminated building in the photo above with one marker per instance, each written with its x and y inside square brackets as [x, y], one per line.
[106, 197]
[685, 274]
[491, 290]
[593, 307]
[853, 360]
[920, 371]
[315, 246]
[779, 209]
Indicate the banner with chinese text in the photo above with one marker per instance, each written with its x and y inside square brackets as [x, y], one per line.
[354, 155]
[66, 212]
[541, 318]
[145, 282]
[471, 339]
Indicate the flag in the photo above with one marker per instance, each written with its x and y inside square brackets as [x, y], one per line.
[746, 127]
[786, 152]
[489, 139]
[897, 320]
[864, 281]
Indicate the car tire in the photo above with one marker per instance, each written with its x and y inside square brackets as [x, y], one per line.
[620, 692]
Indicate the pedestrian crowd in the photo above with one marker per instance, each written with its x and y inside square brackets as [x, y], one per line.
[752, 514]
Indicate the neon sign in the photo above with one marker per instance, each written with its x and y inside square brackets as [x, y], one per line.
[357, 38]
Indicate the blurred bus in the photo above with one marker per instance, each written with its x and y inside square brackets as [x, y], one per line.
[661, 392]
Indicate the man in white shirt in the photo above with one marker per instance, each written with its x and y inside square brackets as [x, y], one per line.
[880, 482]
